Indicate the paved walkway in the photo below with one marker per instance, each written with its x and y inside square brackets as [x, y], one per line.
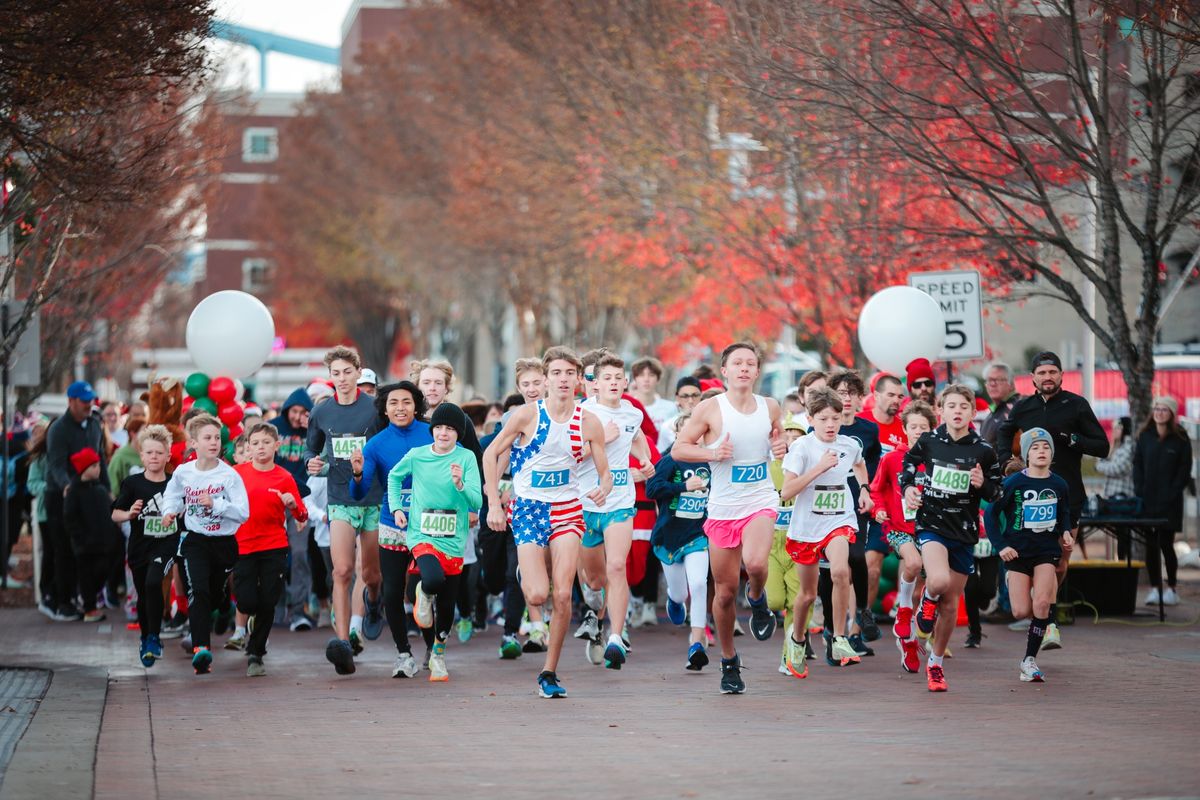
[1117, 718]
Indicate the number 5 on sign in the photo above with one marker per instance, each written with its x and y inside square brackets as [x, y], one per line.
[959, 295]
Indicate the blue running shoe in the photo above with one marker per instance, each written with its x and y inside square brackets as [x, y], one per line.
[154, 646]
[697, 657]
[144, 654]
[676, 612]
[614, 654]
[549, 687]
[201, 660]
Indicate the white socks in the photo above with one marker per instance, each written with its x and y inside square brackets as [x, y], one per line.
[904, 597]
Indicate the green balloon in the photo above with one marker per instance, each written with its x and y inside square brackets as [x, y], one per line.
[891, 566]
[206, 405]
[885, 586]
[224, 433]
[196, 385]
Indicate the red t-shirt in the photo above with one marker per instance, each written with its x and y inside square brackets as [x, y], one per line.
[891, 435]
[265, 530]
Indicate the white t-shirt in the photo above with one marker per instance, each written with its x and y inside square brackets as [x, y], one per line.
[660, 411]
[825, 504]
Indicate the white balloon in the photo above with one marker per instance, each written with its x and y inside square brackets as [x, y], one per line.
[239, 389]
[898, 324]
[230, 333]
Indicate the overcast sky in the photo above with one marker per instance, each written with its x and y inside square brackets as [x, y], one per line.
[318, 21]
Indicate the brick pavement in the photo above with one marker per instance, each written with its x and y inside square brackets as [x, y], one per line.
[1117, 718]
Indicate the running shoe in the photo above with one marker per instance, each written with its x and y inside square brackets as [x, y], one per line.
[1053, 639]
[201, 660]
[762, 621]
[795, 661]
[373, 620]
[870, 628]
[405, 666]
[236, 642]
[356, 641]
[144, 653]
[1030, 672]
[783, 670]
[910, 657]
[302, 622]
[174, 627]
[154, 646]
[254, 667]
[809, 655]
[68, 612]
[634, 616]
[625, 640]
[676, 612]
[731, 676]
[590, 627]
[1019, 625]
[937, 678]
[536, 643]
[340, 653]
[549, 687]
[860, 647]
[843, 652]
[428, 654]
[465, 630]
[927, 616]
[593, 650]
[1153, 597]
[1170, 597]
[737, 627]
[592, 598]
[614, 653]
[222, 617]
[423, 609]
[45, 609]
[649, 613]
[510, 648]
[437, 663]
[95, 615]
[902, 629]
[186, 643]
[697, 658]
[974, 640]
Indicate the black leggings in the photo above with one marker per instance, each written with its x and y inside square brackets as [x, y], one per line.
[980, 589]
[93, 570]
[258, 585]
[858, 579]
[1161, 541]
[443, 589]
[207, 560]
[393, 564]
[514, 597]
[58, 540]
[147, 581]
[472, 597]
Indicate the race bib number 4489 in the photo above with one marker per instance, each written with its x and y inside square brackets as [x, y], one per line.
[951, 480]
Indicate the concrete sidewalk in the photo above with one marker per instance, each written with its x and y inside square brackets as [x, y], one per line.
[1117, 718]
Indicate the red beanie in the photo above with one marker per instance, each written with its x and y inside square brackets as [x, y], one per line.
[84, 459]
[919, 368]
[711, 383]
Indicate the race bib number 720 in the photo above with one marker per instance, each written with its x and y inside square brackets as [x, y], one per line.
[749, 473]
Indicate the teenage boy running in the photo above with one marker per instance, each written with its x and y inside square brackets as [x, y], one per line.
[737, 433]
[961, 469]
[1028, 527]
[263, 539]
[547, 512]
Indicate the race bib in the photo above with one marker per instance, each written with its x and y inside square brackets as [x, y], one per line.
[783, 518]
[1040, 515]
[344, 446]
[910, 514]
[405, 500]
[620, 477]
[392, 537]
[692, 505]
[550, 479]
[439, 523]
[153, 526]
[749, 473]
[951, 480]
[830, 500]
[984, 549]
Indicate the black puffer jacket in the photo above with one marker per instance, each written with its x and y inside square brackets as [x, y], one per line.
[1161, 468]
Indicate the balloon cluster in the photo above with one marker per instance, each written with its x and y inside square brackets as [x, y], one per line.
[220, 397]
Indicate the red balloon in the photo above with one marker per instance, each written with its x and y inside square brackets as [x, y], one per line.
[177, 449]
[187, 403]
[231, 414]
[888, 602]
[222, 391]
[235, 430]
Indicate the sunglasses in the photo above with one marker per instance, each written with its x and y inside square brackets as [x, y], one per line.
[924, 384]
[688, 395]
[589, 376]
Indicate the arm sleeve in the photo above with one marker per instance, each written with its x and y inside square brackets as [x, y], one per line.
[993, 478]
[882, 484]
[472, 484]
[1093, 441]
[395, 481]
[173, 496]
[57, 456]
[660, 484]
[314, 442]
[1119, 464]
[1182, 470]
[36, 482]
[1004, 437]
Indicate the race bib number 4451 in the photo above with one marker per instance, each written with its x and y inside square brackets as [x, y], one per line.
[344, 446]
[951, 480]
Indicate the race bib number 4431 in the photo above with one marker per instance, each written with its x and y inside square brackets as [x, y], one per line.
[830, 500]
[951, 480]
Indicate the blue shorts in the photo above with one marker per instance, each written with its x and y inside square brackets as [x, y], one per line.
[876, 541]
[595, 523]
[696, 545]
[538, 522]
[962, 556]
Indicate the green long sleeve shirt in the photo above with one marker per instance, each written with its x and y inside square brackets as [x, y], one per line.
[438, 514]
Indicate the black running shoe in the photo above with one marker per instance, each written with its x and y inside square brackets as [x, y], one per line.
[866, 621]
[860, 647]
[927, 615]
[373, 620]
[731, 675]
[762, 621]
[339, 653]
[974, 640]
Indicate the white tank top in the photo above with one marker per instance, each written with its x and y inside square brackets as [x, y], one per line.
[546, 468]
[628, 419]
[742, 485]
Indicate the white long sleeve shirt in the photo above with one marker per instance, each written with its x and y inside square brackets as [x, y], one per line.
[230, 504]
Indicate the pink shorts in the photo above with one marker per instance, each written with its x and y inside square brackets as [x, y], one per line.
[727, 533]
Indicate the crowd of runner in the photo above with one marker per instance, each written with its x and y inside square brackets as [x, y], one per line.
[363, 507]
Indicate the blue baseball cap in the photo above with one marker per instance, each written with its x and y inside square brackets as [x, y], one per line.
[81, 390]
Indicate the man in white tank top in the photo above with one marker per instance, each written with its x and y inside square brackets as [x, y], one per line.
[737, 434]
[547, 512]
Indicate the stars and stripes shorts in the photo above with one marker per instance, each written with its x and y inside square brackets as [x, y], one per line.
[538, 522]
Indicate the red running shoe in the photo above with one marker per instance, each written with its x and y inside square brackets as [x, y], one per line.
[928, 615]
[937, 679]
[903, 628]
[910, 658]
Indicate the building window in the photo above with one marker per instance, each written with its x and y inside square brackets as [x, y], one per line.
[256, 275]
[260, 145]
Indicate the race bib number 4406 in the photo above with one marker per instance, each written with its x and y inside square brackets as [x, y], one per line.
[440, 524]
[951, 480]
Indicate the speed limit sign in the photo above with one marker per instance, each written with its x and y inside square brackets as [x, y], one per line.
[958, 293]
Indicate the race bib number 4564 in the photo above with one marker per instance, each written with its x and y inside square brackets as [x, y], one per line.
[951, 480]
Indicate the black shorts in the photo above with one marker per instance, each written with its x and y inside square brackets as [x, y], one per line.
[163, 549]
[1025, 564]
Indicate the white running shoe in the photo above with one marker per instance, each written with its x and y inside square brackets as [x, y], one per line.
[1151, 597]
[1169, 597]
[1030, 672]
[636, 615]
[423, 609]
[1053, 639]
[592, 598]
[405, 666]
[590, 627]
[649, 614]
[437, 663]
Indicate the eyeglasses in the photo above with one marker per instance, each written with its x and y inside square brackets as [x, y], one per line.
[688, 395]
[922, 384]
[997, 380]
[1161, 408]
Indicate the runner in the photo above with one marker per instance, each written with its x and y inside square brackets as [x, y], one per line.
[152, 545]
[609, 530]
[402, 405]
[1028, 527]
[921, 383]
[263, 540]
[547, 512]
[445, 489]
[211, 498]
[783, 581]
[336, 428]
[888, 396]
[962, 469]
[817, 471]
[737, 433]
[897, 519]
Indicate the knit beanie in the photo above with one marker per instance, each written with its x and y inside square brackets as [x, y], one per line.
[919, 368]
[450, 415]
[1035, 435]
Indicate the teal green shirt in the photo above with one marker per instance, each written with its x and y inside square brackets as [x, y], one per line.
[438, 514]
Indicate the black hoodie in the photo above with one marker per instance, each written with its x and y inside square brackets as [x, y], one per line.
[949, 504]
[290, 454]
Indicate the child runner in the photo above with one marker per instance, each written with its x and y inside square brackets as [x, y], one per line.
[445, 490]
[681, 491]
[211, 498]
[961, 470]
[817, 470]
[263, 539]
[1028, 526]
[897, 519]
[152, 545]
[782, 580]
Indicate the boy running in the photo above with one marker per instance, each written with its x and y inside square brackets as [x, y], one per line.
[960, 470]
